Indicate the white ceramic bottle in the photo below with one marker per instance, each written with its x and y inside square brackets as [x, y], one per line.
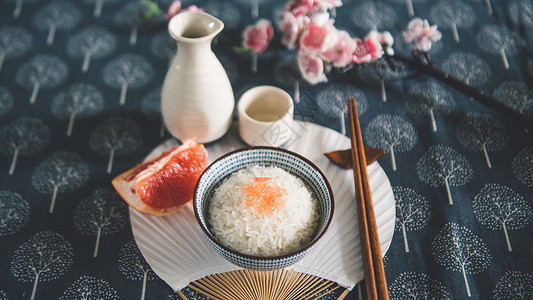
[197, 99]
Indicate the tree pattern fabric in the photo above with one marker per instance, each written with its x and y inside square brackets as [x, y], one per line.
[80, 85]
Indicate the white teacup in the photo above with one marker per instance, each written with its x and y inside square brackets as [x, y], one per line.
[265, 116]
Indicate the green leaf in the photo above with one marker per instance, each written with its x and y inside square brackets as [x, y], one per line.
[152, 9]
[242, 49]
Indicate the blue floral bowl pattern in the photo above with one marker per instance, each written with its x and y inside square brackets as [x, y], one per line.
[241, 158]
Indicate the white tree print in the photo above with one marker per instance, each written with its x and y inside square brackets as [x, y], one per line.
[56, 15]
[45, 256]
[488, 5]
[514, 285]
[412, 211]
[80, 100]
[380, 75]
[15, 41]
[225, 12]
[103, 212]
[371, 15]
[332, 101]
[89, 288]
[516, 95]
[151, 107]
[128, 71]
[482, 132]
[287, 73]
[99, 6]
[521, 13]
[254, 6]
[417, 286]
[430, 99]
[24, 136]
[131, 16]
[392, 133]
[18, 6]
[6, 101]
[190, 294]
[61, 172]
[409, 5]
[42, 71]
[116, 136]
[497, 40]
[523, 166]
[91, 42]
[457, 249]
[453, 14]
[132, 264]
[14, 213]
[468, 67]
[498, 207]
[443, 166]
[163, 46]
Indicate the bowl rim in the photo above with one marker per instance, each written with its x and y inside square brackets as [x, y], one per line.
[256, 257]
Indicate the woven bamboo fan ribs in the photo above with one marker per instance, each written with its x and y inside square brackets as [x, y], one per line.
[263, 285]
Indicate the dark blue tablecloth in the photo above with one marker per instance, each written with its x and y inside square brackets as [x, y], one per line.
[56, 168]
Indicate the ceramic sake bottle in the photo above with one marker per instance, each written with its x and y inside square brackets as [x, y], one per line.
[197, 99]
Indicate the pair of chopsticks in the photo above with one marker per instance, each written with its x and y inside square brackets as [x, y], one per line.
[375, 281]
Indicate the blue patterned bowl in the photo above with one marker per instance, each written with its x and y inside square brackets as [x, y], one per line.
[241, 158]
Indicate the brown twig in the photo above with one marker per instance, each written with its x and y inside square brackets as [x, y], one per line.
[422, 63]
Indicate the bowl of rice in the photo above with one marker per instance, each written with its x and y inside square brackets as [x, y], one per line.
[263, 208]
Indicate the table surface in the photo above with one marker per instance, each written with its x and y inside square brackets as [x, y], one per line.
[481, 244]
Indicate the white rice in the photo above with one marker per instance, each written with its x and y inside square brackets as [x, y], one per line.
[240, 227]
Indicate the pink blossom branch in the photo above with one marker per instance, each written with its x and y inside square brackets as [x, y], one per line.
[307, 27]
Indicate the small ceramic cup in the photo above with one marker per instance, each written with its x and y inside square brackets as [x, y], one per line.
[265, 116]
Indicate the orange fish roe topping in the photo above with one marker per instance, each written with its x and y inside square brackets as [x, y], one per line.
[264, 195]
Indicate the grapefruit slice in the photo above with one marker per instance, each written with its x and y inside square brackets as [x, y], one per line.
[163, 185]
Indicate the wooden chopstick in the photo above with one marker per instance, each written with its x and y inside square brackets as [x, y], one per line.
[364, 234]
[375, 280]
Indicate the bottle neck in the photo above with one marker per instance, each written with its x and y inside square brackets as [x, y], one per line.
[195, 50]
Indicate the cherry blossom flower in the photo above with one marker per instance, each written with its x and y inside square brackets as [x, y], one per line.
[291, 27]
[373, 47]
[384, 38]
[367, 50]
[313, 38]
[173, 9]
[321, 18]
[192, 8]
[360, 54]
[328, 4]
[300, 8]
[258, 36]
[339, 48]
[422, 34]
[312, 68]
